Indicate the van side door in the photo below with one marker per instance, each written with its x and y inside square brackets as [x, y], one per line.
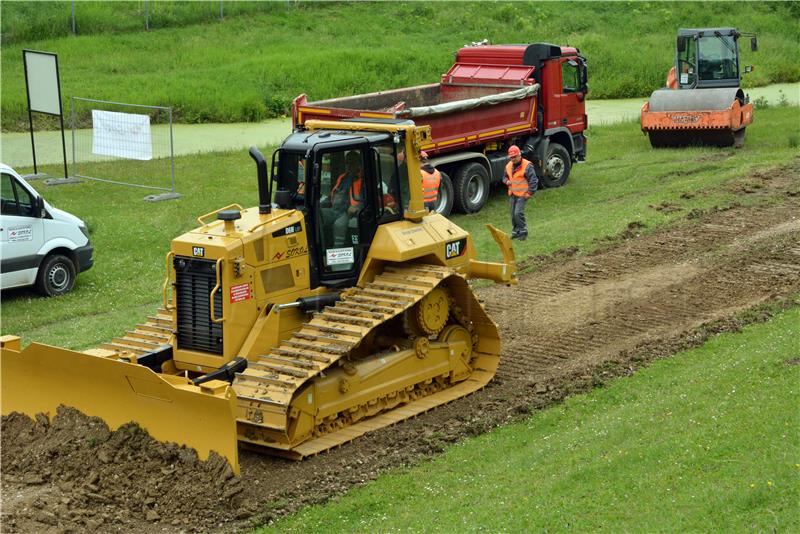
[21, 233]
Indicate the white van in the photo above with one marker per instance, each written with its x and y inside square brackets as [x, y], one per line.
[39, 244]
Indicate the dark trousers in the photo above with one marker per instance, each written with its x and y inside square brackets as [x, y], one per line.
[520, 227]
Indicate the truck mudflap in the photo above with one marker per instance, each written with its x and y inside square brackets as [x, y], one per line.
[41, 378]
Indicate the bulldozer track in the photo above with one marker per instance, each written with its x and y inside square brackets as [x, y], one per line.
[275, 377]
[154, 333]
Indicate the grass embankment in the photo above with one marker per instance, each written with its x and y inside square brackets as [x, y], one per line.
[252, 64]
[705, 441]
[624, 181]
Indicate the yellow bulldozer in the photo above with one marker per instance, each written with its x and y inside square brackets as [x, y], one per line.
[337, 306]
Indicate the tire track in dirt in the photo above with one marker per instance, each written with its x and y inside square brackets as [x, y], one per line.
[568, 326]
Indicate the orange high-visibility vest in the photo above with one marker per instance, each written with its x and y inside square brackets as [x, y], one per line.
[355, 189]
[517, 183]
[430, 185]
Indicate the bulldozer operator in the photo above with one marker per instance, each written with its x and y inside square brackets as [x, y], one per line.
[347, 197]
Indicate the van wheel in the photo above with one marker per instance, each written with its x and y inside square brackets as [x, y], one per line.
[557, 165]
[471, 188]
[56, 276]
[444, 202]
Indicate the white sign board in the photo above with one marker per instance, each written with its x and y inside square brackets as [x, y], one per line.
[339, 256]
[124, 135]
[41, 73]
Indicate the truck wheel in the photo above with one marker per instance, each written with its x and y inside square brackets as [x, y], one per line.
[557, 165]
[470, 188]
[56, 276]
[444, 204]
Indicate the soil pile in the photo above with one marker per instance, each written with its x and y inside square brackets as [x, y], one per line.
[74, 474]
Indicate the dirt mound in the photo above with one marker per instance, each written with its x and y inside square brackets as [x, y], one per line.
[84, 476]
[574, 322]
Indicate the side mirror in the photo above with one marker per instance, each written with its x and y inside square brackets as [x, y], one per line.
[748, 69]
[40, 210]
[754, 44]
[681, 43]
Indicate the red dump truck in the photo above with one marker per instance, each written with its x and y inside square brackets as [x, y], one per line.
[530, 95]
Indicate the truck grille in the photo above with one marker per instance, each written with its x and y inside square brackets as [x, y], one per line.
[194, 281]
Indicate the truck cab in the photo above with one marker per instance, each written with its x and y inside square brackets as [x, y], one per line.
[39, 244]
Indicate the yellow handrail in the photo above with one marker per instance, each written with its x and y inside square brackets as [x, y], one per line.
[201, 221]
[170, 254]
[211, 296]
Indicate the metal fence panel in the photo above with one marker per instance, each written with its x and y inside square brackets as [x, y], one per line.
[126, 144]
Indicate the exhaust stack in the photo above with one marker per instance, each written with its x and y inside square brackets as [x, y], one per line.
[264, 204]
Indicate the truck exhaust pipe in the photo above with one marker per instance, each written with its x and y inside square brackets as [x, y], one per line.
[264, 204]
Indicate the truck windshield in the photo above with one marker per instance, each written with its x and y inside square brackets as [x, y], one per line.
[717, 57]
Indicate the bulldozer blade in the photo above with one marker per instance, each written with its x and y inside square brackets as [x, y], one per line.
[40, 378]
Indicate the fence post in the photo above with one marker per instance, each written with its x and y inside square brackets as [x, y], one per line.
[73, 18]
[73, 123]
[221, 10]
[147, 15]
[171, 150]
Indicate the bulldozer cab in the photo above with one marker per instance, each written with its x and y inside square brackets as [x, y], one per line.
[346, 184]
[707, 58]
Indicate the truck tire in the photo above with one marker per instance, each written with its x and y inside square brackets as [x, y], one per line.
[470, 188]
[557, 166]
[56, 276]
[444, 203]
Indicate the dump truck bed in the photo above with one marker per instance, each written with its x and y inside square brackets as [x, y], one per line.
[472, 105]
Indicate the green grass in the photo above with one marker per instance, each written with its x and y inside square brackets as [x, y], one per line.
[251, 65]
[623, 178]
[705, 441]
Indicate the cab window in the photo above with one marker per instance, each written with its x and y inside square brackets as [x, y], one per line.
[569, 76]
[687, 72]
[16, 200]
[389, 198]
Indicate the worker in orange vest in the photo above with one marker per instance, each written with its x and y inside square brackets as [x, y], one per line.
[347, 196]
[431, 178]
[520, 177]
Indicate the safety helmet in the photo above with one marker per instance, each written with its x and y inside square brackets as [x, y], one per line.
[513, 150]
[423, 155]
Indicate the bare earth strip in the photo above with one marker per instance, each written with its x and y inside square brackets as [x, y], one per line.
[572, 323]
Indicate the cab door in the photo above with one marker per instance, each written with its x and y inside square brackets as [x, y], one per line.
[573, 115]
[345, 214]
[21, 233]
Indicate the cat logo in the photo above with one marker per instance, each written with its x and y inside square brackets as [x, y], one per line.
[198, 251]
[455, 249]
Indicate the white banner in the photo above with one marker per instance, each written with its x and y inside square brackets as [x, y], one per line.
[125, 135]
